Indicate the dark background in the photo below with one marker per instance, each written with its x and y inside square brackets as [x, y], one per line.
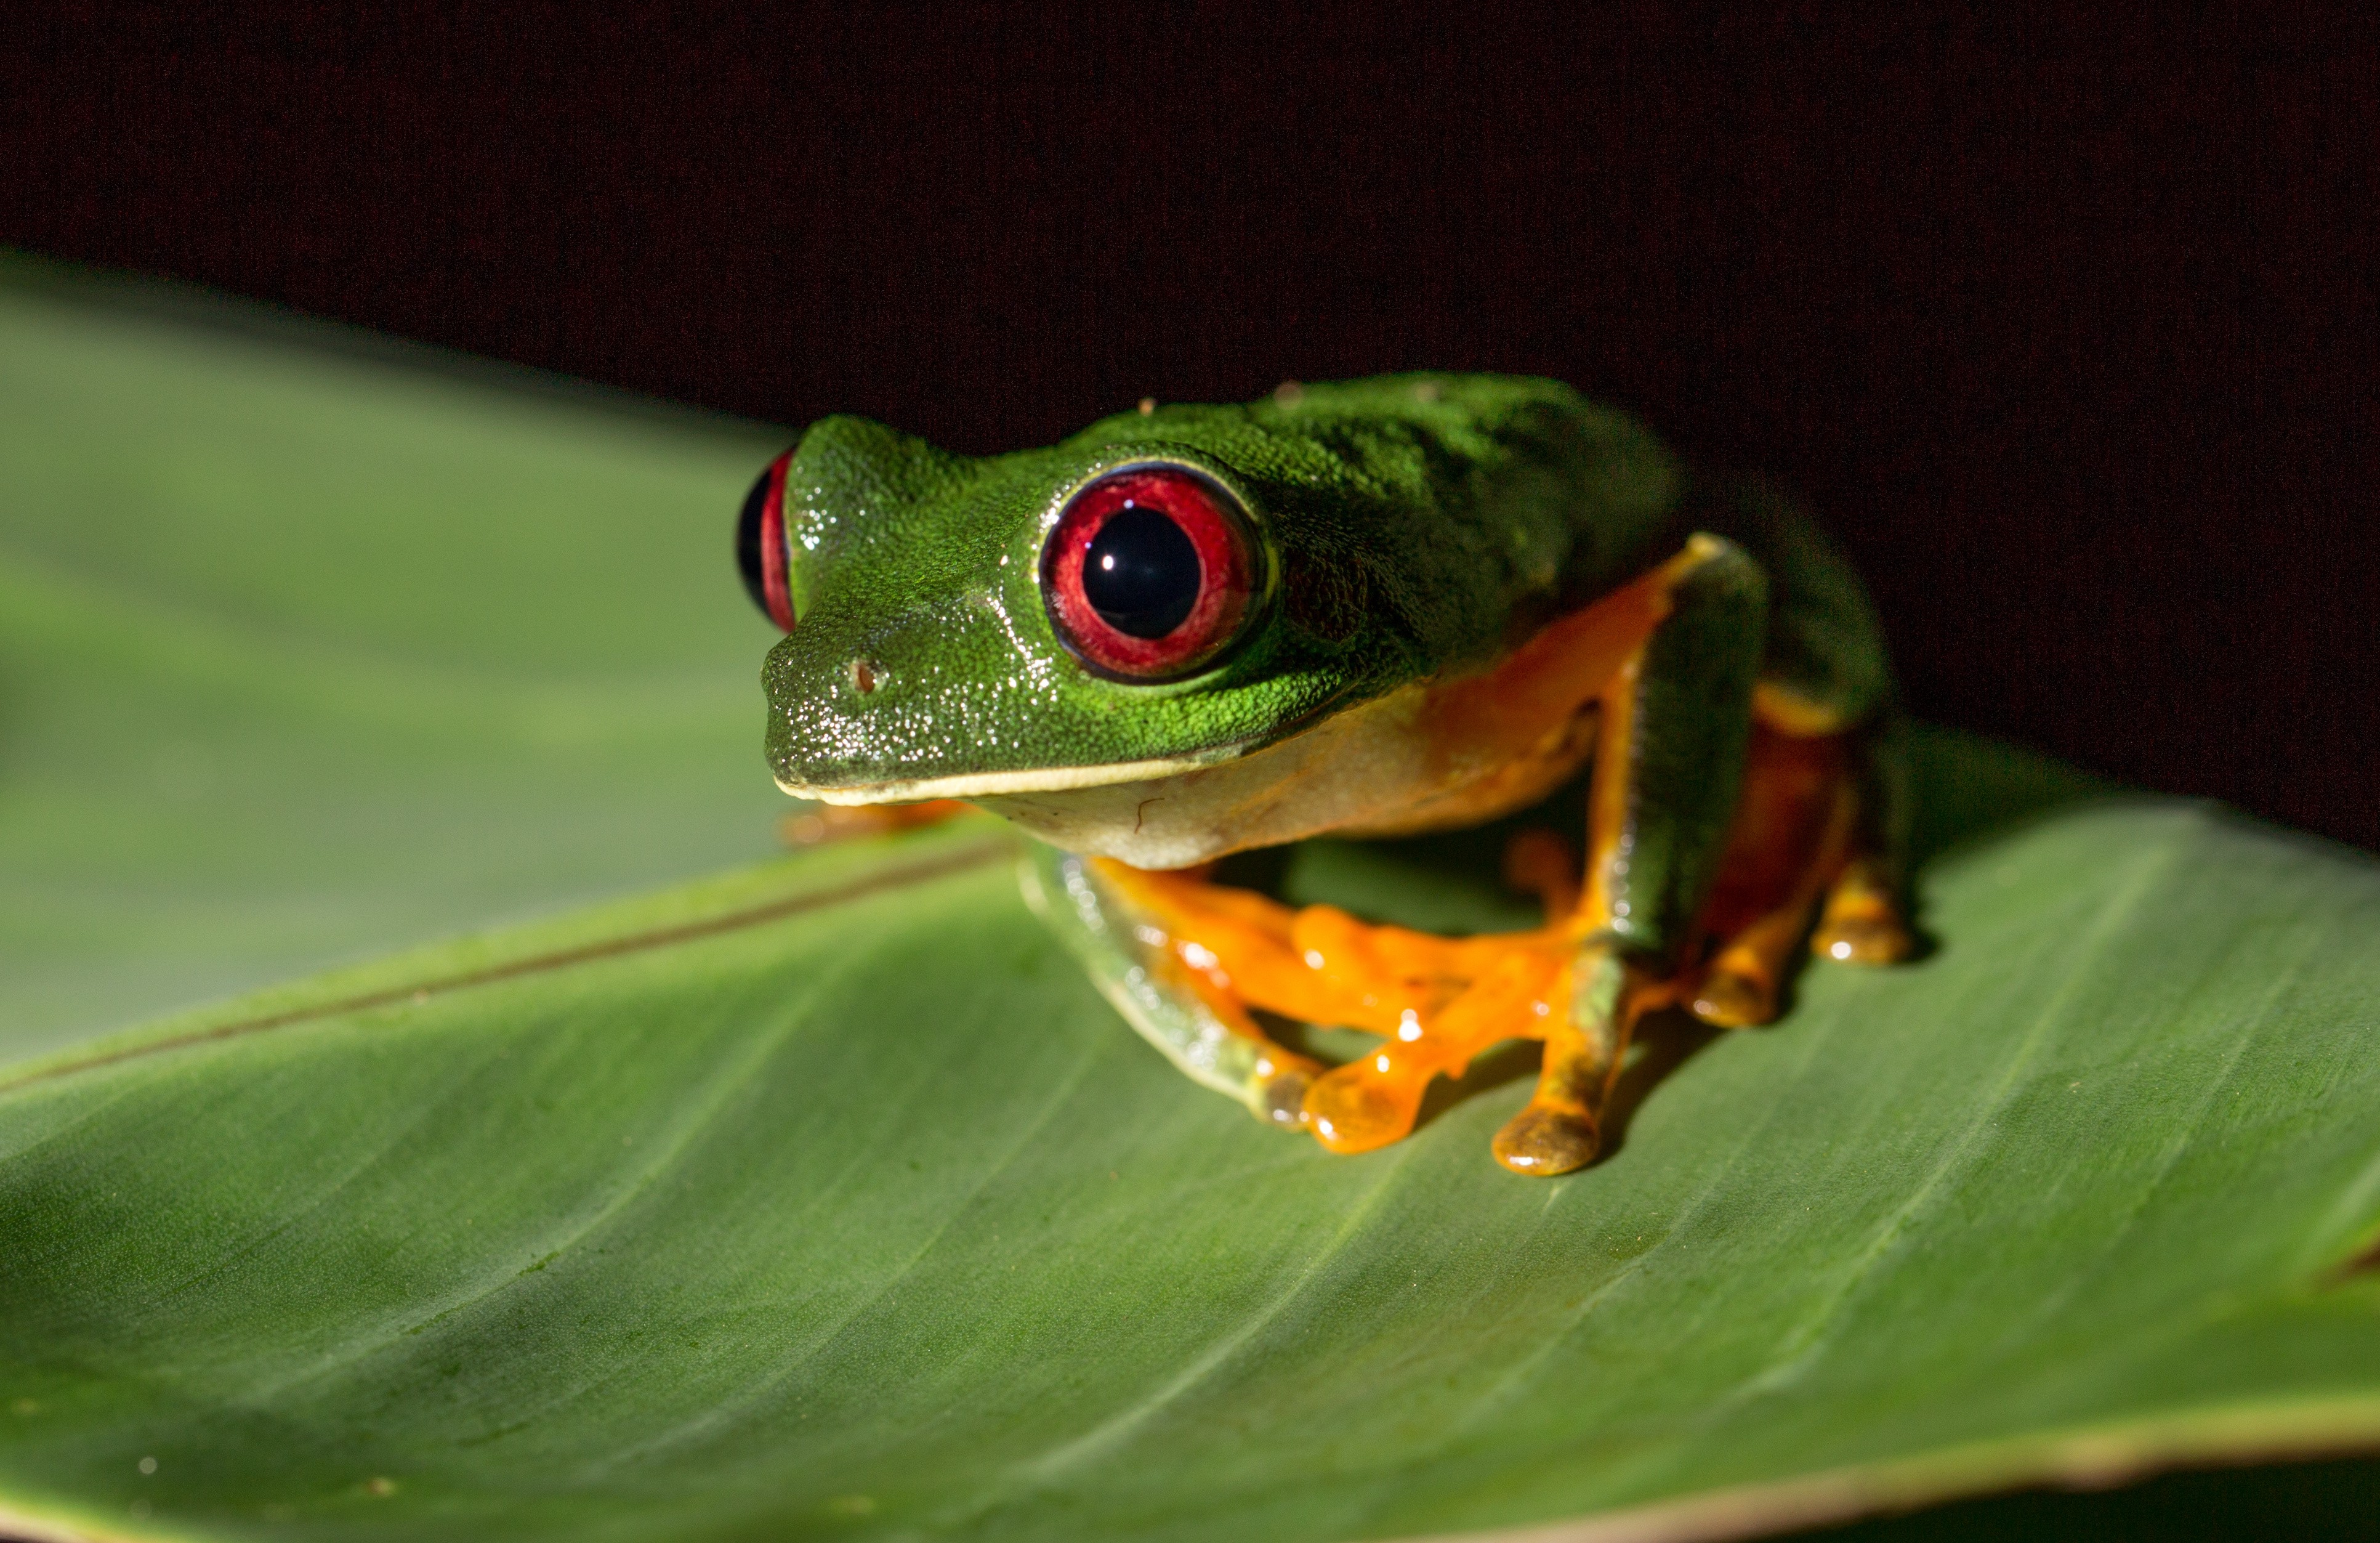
[2066, 323]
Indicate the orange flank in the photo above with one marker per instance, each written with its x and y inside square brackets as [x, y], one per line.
[1549, 678]
[1505, 738]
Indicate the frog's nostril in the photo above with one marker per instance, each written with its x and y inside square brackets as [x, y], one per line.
[863, 675]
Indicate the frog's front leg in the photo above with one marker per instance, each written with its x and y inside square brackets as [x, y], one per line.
[1184, 960]
[1116, 923]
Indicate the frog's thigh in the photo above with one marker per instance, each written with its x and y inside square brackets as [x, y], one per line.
[1824, 674]
[1126, 951]
[1668, 767]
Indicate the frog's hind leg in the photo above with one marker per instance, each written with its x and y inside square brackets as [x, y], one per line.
[1789, 843]
[1674, 721]
[1211, 951]
[1184, 960]
[1823, 675]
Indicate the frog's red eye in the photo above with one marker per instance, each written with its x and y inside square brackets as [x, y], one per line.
[1148, 572]
[760, 549]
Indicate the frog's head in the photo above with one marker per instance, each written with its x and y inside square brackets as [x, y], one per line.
[1098, 612]
[1165, 590]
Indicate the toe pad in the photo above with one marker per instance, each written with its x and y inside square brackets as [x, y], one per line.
[1545, 1141]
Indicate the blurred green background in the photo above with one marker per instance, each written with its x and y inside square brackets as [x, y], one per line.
[277, 691]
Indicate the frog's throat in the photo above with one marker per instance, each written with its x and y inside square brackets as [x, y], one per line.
[1435, 754]
[1385, 767]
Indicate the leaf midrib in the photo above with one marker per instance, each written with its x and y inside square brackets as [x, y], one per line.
[941, 866]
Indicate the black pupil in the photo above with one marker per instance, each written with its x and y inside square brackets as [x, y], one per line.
[1141, 574]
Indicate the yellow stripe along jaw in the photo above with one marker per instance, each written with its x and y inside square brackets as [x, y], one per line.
[1041, 779]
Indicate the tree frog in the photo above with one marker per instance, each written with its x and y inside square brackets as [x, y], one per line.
[1377, 607]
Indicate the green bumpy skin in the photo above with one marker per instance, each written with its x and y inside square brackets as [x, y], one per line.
[1412, 526]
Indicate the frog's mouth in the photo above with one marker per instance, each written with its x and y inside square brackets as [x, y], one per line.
[1039, 779]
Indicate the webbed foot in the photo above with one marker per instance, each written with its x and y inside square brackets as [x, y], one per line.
[1437, 1002]
[1513, 991]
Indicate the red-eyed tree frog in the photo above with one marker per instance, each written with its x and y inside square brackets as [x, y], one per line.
[1378, 607]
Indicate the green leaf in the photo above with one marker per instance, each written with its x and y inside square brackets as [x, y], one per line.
[822, 1198]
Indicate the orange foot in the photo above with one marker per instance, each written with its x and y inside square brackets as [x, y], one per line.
[1435, 1002]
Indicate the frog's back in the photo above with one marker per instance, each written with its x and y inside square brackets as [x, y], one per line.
[1462, 509]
